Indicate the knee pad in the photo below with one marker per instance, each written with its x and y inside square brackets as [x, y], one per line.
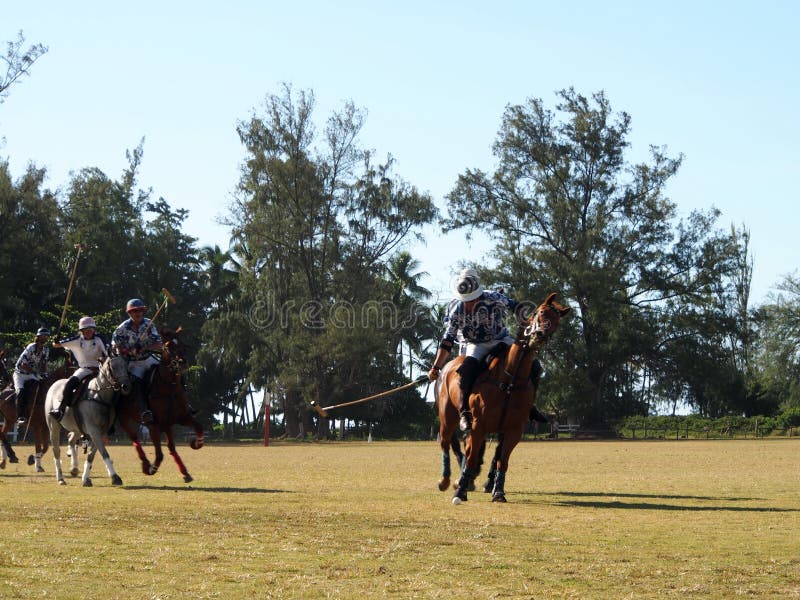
[468, 372]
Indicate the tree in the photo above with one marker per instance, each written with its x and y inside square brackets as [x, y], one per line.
[777, 352]
[33, 258]
[18, 63]
[571, 215]
[409, 297]
[318, 219]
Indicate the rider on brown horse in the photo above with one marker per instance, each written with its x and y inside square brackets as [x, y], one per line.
[88, 350]
[31, 366]
[136, 338]
[478, 317]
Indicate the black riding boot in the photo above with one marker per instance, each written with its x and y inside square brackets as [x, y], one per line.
[139, 394]
[468, 372]
[67, 398]
[536, 373]
[22, 403]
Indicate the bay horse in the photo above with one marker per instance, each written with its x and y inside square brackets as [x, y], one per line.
[36, 419]
[92, 414]
[169, 404]
[501, 401]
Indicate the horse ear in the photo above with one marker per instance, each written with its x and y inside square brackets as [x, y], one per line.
[562, 310]
[179, 329]
[550, 298]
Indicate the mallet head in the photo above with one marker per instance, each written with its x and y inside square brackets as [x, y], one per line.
[320, 411]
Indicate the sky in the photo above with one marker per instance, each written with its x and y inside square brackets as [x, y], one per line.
[714, 81]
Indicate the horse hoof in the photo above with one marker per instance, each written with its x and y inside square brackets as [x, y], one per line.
[3, 465]
[13, 460]
[456, 500]
[40, 469]
[116, 480]
[31, 460]
[62, 482]
[499, 498]
[87, 483]
[196, 444]
[471, 486]
[74, 472]
[153, 470]
[188, 478]
[488, 486]
[444, 483]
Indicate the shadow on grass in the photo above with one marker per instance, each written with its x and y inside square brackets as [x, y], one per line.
[662, 496]
[194, 488]
[611, 502]
[675, 507]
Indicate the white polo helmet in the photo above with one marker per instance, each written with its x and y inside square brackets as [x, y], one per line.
[86, 323]
[467, 285]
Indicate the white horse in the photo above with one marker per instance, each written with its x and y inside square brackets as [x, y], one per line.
[92, 414]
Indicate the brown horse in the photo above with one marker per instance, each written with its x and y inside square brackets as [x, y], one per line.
[36, 419]
[169, 404]
[501, 402]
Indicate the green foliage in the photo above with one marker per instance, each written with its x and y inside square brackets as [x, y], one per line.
[572, 216]
[696, 426]
[319, 223]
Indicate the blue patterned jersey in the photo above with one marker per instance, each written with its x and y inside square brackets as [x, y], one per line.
[35, 361]
[127, 341]
[485, 323]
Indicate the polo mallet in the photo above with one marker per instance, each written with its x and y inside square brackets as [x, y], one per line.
[79, 247]
[323, 411]
[161, 306]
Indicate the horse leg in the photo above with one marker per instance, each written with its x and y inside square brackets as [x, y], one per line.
[198, 440]
[176, 457]
[73, 454]
[133, 435]
[55, 434]
[101, 447]
[37, 460]
[87, 467]
[444, 443]
[471, 467]
[499, 492]
[155, 437]
[8, 451]
[488, 486]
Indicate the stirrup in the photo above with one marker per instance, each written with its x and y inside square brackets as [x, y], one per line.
[147, 417]
[465, 422]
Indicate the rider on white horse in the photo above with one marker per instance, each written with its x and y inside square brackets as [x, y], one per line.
[88, 349]
[137, 338]
[31, 366]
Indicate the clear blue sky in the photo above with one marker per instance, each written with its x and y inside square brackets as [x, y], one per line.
[716, 81]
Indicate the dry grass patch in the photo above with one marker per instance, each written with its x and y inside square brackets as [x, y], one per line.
[713, 519]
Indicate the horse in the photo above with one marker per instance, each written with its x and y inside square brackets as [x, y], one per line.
[169, 404]
[36, 419]
[501, 401]
[93, 414]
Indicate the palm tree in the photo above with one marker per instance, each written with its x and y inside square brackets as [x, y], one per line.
[220, 276]
[408, 297]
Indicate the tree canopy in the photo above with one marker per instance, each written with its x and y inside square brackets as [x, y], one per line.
[318, 298]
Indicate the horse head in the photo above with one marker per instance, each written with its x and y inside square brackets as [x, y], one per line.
[115, 369]
[173, 352]
[545, 320]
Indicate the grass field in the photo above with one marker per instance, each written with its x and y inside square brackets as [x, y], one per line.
[700, 519]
